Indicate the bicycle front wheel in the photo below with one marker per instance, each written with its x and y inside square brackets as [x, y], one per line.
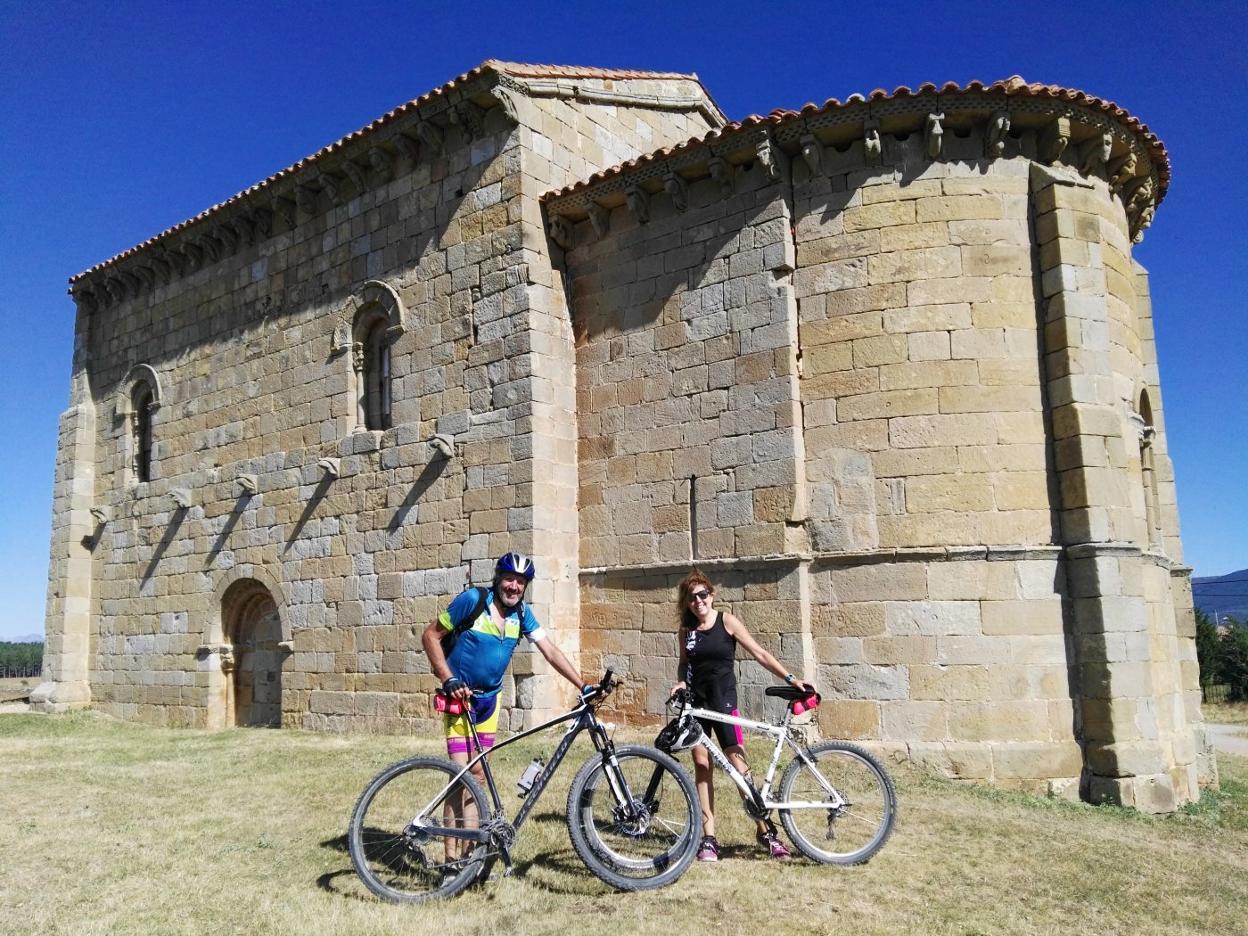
[635, 823]
[393, 837]
[842, 806]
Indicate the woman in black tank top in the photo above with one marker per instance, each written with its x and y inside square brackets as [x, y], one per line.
[708, 647]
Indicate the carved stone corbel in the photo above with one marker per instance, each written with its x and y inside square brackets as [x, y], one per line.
[872, 145]
[430, 136]
[638, 203]
[1144, 222]
[228, 236]
[163, 263]
[86, 297]
[560, 230]
[194, 254]
[101, 514]
[1053, 140]
[469, 117]
[261, 220]
[246, 485]
[382, 164]
[181, 498]
[330, 467]
[721, 172]
[340, 343]
[285, 209]
[812, 153]
[768, 158]
[329, 185]
[407, 147]
[600, 219]
[134, 286]
[306, 199]
[356, 175]
[934, 134]
[244, 227]
[442, 445]
[1094, 153]
[507, 101]
[994, 136]
[147, 274]
[675, 187]
[1123, 169]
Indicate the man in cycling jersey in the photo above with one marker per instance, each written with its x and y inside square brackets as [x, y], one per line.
[472, 669]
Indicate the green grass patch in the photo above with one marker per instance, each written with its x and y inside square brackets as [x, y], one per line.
[120, 828]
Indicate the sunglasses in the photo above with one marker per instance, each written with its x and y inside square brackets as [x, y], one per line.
[700, 595]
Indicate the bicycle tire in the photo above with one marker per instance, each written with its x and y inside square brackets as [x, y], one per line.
[860, 828]
[635, 855]
[393, 859]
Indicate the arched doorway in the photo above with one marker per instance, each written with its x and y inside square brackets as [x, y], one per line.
[252, 662]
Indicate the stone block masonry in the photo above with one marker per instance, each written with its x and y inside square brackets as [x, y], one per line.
[885, 370]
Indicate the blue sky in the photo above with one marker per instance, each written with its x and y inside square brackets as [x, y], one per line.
[120, 119]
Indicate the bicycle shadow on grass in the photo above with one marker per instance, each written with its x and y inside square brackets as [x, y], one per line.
[555, 873]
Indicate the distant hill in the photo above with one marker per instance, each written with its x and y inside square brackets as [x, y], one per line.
[25, 638]
[1223, 594]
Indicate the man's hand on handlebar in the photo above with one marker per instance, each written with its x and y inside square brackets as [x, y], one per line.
[456, 688]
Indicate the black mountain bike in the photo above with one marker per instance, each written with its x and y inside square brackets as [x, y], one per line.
[423, 828]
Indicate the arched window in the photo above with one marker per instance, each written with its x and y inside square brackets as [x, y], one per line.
[372, 367]
[142, 401]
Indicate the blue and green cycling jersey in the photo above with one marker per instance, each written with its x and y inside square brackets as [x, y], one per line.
[481, 654]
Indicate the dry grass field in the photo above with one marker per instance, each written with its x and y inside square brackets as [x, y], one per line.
[1226, 713]
[117, 828]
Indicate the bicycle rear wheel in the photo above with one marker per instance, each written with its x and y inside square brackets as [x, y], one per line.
[395, 848]
[843, 833]
[636, 825]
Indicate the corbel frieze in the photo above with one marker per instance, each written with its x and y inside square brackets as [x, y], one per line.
[638, 203]
[676, 189]
[1053, 139]
[934, 134]
[599, 218]
[994, 136]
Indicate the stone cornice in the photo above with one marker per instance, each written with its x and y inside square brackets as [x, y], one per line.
[1005, 119]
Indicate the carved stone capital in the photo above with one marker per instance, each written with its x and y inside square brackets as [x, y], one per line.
[675, 187]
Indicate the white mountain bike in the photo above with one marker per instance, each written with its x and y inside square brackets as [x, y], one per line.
[836, 801]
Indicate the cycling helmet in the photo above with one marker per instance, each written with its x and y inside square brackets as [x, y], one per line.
[680, 734]
[515, 564]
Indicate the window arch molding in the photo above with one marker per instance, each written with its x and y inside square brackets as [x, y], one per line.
[378, 320]
[139, 396]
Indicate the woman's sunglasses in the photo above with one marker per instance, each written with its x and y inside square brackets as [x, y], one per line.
[700, 595]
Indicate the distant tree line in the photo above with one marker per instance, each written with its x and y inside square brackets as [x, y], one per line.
[1223, 656]
[20, 659]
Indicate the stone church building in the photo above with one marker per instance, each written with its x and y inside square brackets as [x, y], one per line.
[883, 368]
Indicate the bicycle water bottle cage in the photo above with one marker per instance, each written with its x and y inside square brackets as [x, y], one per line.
[680, 734]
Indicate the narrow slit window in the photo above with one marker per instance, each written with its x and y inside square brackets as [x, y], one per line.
[143, 432]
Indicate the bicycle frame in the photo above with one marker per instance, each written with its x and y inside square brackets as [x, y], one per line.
[760, 798]
[583, 719]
